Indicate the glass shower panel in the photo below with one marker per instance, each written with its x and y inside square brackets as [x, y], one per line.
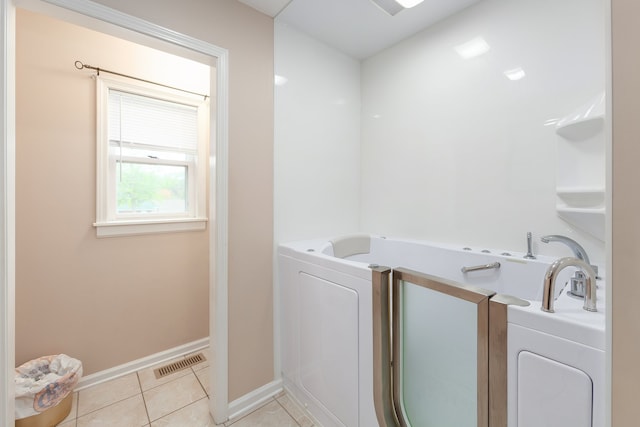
[439, 351]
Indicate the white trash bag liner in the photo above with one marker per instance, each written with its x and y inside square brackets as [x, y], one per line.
[42, 383]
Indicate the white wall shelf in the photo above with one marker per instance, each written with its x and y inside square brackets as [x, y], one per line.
[580, 184]
[581, 129]
[581, 197]
[585, 122]
[591, 220]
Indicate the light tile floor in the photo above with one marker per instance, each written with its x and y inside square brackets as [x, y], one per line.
[177, 400]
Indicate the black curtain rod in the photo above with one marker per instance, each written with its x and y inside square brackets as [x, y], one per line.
[79, 65]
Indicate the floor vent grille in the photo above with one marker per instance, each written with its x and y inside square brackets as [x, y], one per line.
[169, 369]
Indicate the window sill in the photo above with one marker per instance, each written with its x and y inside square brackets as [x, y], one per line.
[129, 228]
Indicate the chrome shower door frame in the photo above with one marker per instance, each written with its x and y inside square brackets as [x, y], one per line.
[387, 327]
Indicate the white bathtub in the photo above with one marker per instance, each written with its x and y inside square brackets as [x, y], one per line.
[326, 327]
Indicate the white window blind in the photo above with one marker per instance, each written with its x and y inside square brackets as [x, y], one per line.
[151, 159]
[145, 122]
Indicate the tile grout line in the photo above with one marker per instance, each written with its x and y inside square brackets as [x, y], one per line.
[179, 409]
[77, 407]
[166, 382]
[105, 407]
[206, 392]
[288, 413]
[144, 401]
[110, 404]
[74, 420]
[182, 407]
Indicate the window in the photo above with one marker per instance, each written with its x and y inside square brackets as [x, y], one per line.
[152, 152]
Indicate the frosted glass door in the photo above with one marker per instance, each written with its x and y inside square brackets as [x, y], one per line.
[440, 352]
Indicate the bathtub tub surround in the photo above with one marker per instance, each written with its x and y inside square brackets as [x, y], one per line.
[337, 330]
[344, 247]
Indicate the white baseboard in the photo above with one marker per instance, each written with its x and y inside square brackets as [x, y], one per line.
[253, 400]
[127, 368]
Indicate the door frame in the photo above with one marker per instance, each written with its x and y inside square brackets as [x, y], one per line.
[218, 192]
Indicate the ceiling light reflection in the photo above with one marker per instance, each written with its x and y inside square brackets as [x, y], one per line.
[474, 47]
[515, 74]
[408, 4]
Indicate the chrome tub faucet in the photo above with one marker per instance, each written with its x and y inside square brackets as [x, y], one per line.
[578, 279]
[550, 283]
[578, 251]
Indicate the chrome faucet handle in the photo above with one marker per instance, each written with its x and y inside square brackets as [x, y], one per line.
[529, 254]
[577, 285]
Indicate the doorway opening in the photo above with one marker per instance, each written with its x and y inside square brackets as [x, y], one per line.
[129, 30]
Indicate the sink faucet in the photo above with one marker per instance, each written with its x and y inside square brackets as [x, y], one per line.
[550, 283]
[578, 279]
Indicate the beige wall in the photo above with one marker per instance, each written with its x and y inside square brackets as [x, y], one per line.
[248, 35]
[105, 301]
[626, 208]
[110, 288]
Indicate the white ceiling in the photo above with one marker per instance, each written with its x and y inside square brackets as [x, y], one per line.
[268, 7]
[358, 28]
